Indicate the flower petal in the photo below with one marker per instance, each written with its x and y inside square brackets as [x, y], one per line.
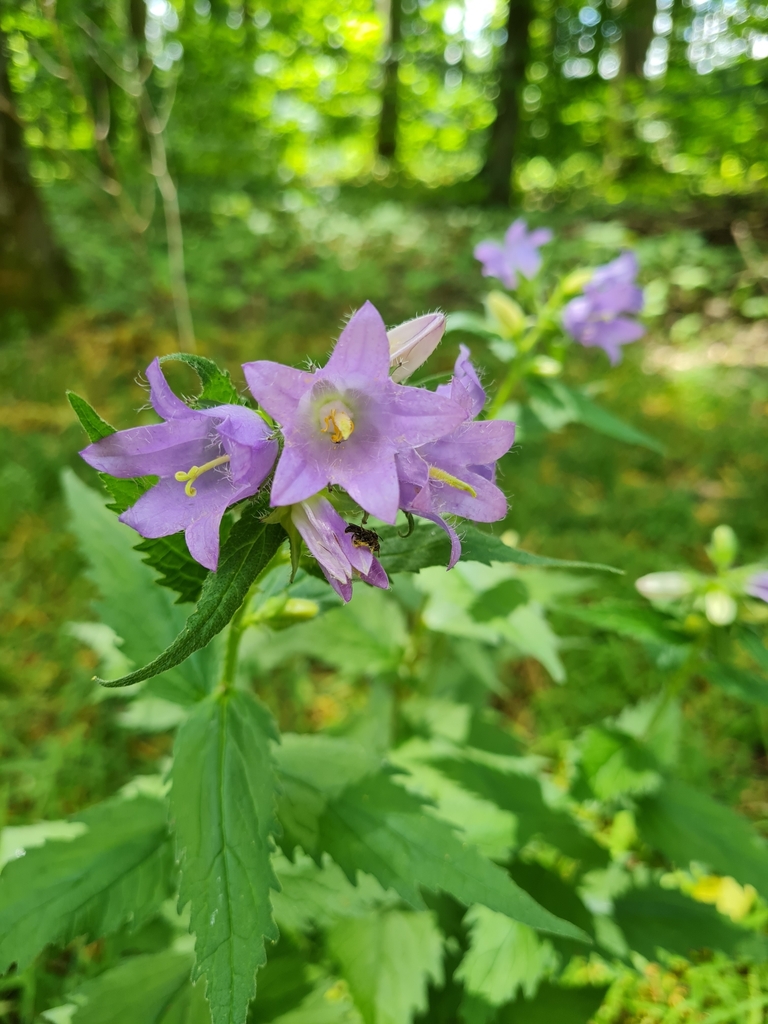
[362, 351]
[298, 476]
[414, 416]
[159, 449]
[277, 388]
[472, 443]
[375, 489]
[163, 400]
[454, 537]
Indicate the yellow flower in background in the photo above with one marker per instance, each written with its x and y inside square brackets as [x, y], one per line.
[730, 898]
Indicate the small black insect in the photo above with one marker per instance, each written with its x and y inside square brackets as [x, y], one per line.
[363, 538]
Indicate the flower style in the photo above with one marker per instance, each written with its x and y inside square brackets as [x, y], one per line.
[757, 586]
[344, 423]
[455, 474]
[413, 342]
[520, 252]
[341, 554]
[595, 318]
[207, 459]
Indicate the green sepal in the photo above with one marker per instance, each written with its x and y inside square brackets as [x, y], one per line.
[218, 388]
[247, 551]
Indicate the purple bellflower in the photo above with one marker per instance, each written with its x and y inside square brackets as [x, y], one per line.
[207, 459]
[596, 317]
[341, 554]
[757, 586]
[344, 423]
[456, 474]
[520, 252]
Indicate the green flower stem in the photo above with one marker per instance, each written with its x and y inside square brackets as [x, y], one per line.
[237, 627]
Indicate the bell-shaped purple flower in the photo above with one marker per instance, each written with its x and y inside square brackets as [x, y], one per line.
[341, 551]
[455, 475]
[520, 252]
[344, 423]
[597, 318]
[207, 459]
[757, 586]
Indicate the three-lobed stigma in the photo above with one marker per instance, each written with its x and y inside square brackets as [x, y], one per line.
[195, 471]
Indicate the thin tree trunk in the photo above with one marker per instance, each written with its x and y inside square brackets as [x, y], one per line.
[637, 26]
[496, 173]
[387, 139]
[34, 273]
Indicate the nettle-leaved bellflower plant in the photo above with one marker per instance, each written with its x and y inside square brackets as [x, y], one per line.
[599, 316]
[349, 424]
[518, 253]
[207, 460]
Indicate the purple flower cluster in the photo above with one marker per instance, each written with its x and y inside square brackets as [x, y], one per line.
[519, 252]
[348, 424]
[598, 316]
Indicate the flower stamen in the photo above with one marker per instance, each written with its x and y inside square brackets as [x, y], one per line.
[342, 425]
[195, 471]
[452, 481]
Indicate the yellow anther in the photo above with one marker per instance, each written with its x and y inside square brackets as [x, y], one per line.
[452, 481]
[195, 471]
[342, 425]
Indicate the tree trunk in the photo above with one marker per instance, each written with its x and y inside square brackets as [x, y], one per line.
[34, 274]
[387, 139]
[496, 174]
[637, 26]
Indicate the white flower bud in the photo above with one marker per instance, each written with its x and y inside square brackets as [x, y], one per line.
[719, 607]
[412, 343]
[663, 586]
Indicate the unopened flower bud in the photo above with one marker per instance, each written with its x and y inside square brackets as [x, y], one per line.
[506, 314]
[719, 607]
[413, 342]
[663, 586]
[723, 547]
[575, 281]
[546, 366]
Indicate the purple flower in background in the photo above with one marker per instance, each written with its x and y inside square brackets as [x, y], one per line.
[595, 318]
[339, 552]
[520, 252]
[207, 459]
[455, 474]
[757, 586]
[344, 423]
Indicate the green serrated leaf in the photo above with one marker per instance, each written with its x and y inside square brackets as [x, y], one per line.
[503, 956]
[118, 870]
[177, 569]
[583, 410]
[554, 1004]
[218, 388]
[737, 682]
[328, 1003]
[245, 554]
[124, 492]
[152, 988]
[653, 918]
[637, 623]
[376, 826]
[686, 825]
[521, 795]
[223, 806]
[616, 764]
[142, 614]
[428, 545]
[312, 770]
[388, 959]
